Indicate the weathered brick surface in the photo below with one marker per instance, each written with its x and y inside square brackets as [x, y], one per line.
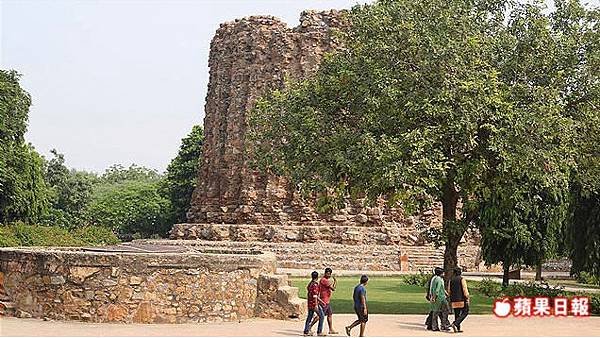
[139, 287]
[248, 57]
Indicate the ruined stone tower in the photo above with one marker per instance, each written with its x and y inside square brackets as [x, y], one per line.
[249, 57]
[235, 206]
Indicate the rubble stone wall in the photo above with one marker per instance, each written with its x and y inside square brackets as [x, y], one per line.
[134, 287]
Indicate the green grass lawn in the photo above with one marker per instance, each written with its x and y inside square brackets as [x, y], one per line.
[389, 295]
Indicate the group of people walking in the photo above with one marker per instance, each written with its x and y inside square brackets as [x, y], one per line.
[319, 296]
[455, 296]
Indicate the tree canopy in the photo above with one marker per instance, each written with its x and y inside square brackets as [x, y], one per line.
[182, 173]
[70, 192]
[436, 100]
[23, 192]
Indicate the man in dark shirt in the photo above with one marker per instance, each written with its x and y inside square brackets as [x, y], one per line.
[360, 306]
[459, 296]
[428, 297]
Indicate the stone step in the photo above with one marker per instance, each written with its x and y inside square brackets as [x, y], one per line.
[291, 292]
[277, 298]
[318, 254]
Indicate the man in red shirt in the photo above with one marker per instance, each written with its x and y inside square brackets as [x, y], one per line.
[326, 287]
[313, 305]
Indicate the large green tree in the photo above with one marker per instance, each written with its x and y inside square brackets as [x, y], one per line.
[23, 193]
[581, 48]
[551, 62]
[584, 231]
[70, 192]
[417, 107]
[522, 223]
[129, 201]
[117, 173]
[131, 208]
[182, 173]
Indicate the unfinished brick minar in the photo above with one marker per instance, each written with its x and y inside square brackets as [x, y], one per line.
[232, 201]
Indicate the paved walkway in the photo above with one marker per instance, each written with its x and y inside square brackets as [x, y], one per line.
[379, 325]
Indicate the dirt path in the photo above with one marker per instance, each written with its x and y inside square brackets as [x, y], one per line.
[379, 325]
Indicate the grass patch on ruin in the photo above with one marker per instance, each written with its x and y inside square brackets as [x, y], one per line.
[21, 234]
[390, 295]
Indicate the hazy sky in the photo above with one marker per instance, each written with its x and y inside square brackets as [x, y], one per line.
[120, 81]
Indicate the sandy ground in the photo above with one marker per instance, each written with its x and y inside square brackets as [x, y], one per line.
[379, 325]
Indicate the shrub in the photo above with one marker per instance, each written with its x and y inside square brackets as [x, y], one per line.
[488, 287]
[588, 278]
[35, 235]
[7, 237]
[533, 289]
[595, 303]
[419, 279]
[95, 235]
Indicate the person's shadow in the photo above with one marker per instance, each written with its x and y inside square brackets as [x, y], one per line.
[412, 326]
[300, 333]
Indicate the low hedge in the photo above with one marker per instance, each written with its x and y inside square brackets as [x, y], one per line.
[419, 279]
[532, 289]
[20, 234]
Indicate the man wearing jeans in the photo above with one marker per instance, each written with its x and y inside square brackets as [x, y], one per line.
[313, 305]
[326, 287]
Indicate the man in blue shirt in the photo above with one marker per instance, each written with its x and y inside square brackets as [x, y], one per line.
[360, 306]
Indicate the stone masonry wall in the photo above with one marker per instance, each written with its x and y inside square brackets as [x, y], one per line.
[135, 287]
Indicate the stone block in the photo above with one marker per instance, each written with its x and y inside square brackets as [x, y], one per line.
[361, 218]
[78, 274]
[145, 313]
[57, 280]
[22, 314]
[116, 313]
[135, 280]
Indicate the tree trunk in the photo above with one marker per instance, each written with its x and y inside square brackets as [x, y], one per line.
[506, 270]
[453, 232]
[538, 271]
[450, 258]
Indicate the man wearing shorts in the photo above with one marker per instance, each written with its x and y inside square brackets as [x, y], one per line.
[325, 289]
[360, 306]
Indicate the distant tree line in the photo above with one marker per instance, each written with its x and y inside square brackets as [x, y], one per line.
[133, 202]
